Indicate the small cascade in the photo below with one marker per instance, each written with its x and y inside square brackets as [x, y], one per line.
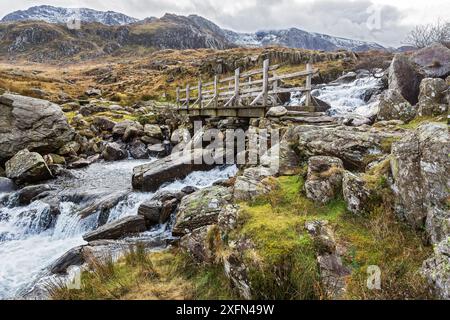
[347, 98]
[31, 238]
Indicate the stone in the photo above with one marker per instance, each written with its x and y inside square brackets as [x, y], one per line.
[167, 209]
[103, 123]
[114, 151]
[355, 193]
[117, 229]
[405, 78]
[81, 163]
[202, 243]
[120, 127]
[157, 150]
[433, 97]
[189, 189]
[52, 159]
[277, 112]
[2, 172]
[93, 92]
[420, 167]
[149, 177]
[320, 105]
[434, 60]
[151, 211]
[200, 209]
[150, 140]
[70, 149]
[33, 124]
[392, 106]
[153, 131]
[73, 257]
[324, 179]
[350, 144]
[27, 167]
[28, 194]
[333, 273]
[437, 269]
[131, 132]
[6, 185]
[252, 183]
[138, 150]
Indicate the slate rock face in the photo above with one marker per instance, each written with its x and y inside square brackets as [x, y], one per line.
[434, 60]
[33, 124]
[404, 78]
[117, 229]
[420, 167]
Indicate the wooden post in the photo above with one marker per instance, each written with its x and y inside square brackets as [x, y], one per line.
[216, 91]
[265, 82]
[200, 93]
[308, 84]
[237, 74]
[178, 96]
[188, 89]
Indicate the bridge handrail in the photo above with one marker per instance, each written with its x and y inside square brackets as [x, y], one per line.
[241, 86]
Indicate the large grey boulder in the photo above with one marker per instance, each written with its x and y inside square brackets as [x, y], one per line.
[392, 106]
[117, 229]
[202, 243]
[27, 167]
[153, 131]
[33, 124]
[277, 112]
[200, 209]
[437, 269]
[404, 78]
[420, 165]
[355, 193]
[324, 179]
[252, 183]
[121, 127]
[434, 60]
[353, 145]
[149, 177]
[114, 151]
[433, 97]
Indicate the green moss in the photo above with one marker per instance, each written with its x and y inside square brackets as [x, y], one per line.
[416, 122]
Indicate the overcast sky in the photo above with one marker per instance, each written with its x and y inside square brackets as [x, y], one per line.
[383, 21]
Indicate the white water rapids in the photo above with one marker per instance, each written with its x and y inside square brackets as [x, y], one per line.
[28, 245]
[346, 98]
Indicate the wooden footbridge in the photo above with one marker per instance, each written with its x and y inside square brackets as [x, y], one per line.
[246, 95]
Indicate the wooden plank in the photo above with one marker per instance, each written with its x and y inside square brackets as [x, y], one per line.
[308, 85]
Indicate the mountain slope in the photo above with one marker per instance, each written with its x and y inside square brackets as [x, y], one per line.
[296, 38]
[52, 14]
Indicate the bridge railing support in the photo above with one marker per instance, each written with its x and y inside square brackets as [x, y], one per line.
[262, 87]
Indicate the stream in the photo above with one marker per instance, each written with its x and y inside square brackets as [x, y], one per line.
[29, 242]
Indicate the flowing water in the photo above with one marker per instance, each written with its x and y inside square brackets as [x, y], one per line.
[347, 98]
[31, 239]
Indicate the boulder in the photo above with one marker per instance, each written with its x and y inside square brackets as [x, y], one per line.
[92, 92]
[157, 150]
[252, 183]
[189, 189]
[404, 78]
[120, 127]
[355, 193]
[202, 243]
[33, 124]
[420, 167]
[114, 151]
[27, 167]
[52, 159]
[117, 229]
[73, 257]
[350, 144]
[320, 105]
[153, 131]
[151, 211]
[103, 123]
[277, 112]
[167, 209]
[131, 132]
[437, 269]
[392, 106]
[149, 177]
[71, 148]
[324, 179]
[28, 194]
[433, 61]
[81, 163]
[150, 140]
[90, 109]
[6, 185]
[433, 97]
[200, 209]
[138, 150]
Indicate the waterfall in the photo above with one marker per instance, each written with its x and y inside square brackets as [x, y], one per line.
[30, 240]
[347, 98]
